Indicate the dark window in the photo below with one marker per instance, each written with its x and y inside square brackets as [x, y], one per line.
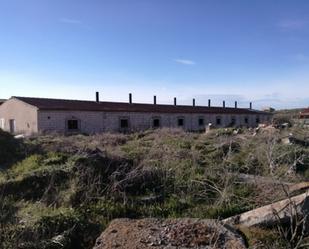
[218, 121]
[124, 123]
[246, 120]
[233, 121]
[48, 117]
[180, 121]
[201, 121]
[156, 123]
[72, 124]
[257, 120]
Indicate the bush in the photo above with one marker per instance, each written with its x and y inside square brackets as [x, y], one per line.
[73, 229]
[280, 119]
[10, 149]
[70, 188]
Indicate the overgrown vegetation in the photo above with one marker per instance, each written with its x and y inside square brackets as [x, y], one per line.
[61, 192]
[10, 149]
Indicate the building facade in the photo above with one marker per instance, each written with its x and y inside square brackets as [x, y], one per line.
[303, 118]
[24, 115]
[304, 114]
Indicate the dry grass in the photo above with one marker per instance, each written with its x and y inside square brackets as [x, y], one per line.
[73, 183]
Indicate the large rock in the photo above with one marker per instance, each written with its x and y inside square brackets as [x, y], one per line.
[273, 214]
[294, 188]
[169, 234]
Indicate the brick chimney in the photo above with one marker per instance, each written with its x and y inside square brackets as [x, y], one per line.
[193, 102]
[209, 102]
[154, 99]
[175, 101]
[97, 98]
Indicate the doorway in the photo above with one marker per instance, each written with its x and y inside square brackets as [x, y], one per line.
[12, 125]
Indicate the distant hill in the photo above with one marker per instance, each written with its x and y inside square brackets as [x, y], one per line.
[293, 113]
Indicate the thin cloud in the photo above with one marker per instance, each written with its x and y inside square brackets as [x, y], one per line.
[301, 57]
[70, 21]
[185, 61]
[295, 24]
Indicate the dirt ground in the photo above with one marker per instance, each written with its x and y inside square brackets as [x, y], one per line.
[169, 234]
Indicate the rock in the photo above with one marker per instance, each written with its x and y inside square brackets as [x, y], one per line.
[293, 140]
[285, 125]
[265, 216]
[298, 141]
[59, 241]
[169, 234]
[293, 188]
[21, 136]
[208, 128]
[235, 132]
[262, 125]
[285, 140]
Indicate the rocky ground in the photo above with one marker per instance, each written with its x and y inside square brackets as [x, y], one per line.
[169, 234]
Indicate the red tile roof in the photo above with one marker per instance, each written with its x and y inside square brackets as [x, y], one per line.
[305, 111]
[82, 105]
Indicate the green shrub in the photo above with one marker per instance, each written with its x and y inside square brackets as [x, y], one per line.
[28, 165]
[10, 149]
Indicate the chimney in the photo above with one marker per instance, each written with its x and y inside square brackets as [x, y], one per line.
[97, 98]
[209, 102]
[223, 103]
[235, 104]
[130, 98]
[175, 101]
[250, 105]
[154, 99]
[193, 102]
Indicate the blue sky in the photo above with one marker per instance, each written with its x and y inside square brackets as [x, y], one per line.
[220, 49]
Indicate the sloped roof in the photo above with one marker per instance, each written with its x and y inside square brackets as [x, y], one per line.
[82, 105]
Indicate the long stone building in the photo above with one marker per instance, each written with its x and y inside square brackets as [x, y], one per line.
[24, 115]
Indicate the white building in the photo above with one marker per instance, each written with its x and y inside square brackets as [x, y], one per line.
[39, 115]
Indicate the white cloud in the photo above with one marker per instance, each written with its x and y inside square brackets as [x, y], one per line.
[185, 61]
[70, 21]
[295, 24]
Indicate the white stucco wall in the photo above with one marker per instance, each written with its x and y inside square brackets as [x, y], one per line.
[24, 115]
[95, 122]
